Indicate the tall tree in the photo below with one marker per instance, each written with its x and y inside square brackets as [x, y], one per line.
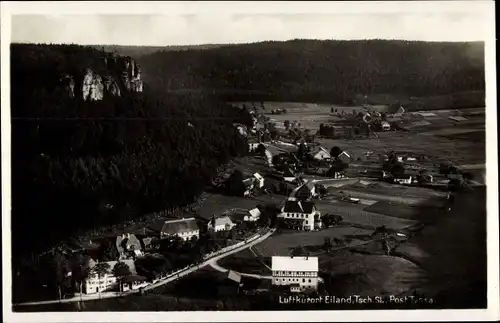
[61, 272]
[121, 270]
[100, 269]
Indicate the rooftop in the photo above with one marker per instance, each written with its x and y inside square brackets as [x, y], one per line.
[179, 226]
[280, 263]
[294, 206]
[223, 220]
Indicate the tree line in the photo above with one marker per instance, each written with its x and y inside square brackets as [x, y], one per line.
[322, 71]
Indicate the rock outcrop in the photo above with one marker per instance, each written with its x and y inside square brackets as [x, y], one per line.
[131, 75]
[92, 87]
[111, 86]
[119, 74]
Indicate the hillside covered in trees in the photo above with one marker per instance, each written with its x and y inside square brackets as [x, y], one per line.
[85, 163]
[322, 71]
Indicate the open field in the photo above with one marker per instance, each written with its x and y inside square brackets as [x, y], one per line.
[355, 215]
[398, 210]
[347, 273]
[283, 244]
[246, 262]
[453, 252]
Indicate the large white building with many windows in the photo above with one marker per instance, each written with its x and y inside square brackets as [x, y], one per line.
[304, 212]
[300, 273]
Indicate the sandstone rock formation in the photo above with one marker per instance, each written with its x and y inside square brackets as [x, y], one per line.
[111, 86]
[119, 74]
[131, 75]
[92, 88]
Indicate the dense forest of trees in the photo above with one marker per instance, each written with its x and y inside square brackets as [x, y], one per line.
[326, 71]
[82, 164]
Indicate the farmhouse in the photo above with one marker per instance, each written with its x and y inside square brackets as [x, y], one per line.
[259, 180]
[404, 180]
[301, 211]
[254, 215]
[344, 157]
[183, 228]
[128, 245]
[320, 153]
[222, 223]
[96, 282]
[300, 273]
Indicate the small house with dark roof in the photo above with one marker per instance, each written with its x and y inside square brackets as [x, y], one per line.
[183, 228]
[128, 246]
[345, 157]
[306, 191]
[302, 211]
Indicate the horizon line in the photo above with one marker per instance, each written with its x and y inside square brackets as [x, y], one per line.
[258, 42]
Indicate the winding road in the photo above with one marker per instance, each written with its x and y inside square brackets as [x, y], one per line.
[173, 277]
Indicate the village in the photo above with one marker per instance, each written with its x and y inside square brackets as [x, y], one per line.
[291, 180]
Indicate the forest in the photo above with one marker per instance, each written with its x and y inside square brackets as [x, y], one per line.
[323, 71]
[78, 164]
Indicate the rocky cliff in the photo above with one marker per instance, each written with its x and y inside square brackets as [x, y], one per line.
[118, 74]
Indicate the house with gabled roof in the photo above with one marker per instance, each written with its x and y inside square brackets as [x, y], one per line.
[254, 215]
[320, 153]
[222, 223]
[183, 228]
[259, 180]
[345, 157]
[304, 212]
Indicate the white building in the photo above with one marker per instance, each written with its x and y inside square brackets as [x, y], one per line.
[405, 180]
[320, 153]
[222, 223]
[303, 211]
[183, 228]
[253, 145]
[385, 126]
[259, 180]
[96, 283]
[300, 273]
[254, 215]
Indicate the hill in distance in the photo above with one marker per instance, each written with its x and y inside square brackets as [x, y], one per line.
[324, 71]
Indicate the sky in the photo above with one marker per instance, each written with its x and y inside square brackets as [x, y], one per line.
[231, 26]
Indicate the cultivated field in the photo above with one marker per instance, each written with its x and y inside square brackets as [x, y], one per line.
[348, 273]
[283, 244]
[438, 136]
[355, 215]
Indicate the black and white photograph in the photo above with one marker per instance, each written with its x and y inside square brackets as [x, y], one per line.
[236, 161]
